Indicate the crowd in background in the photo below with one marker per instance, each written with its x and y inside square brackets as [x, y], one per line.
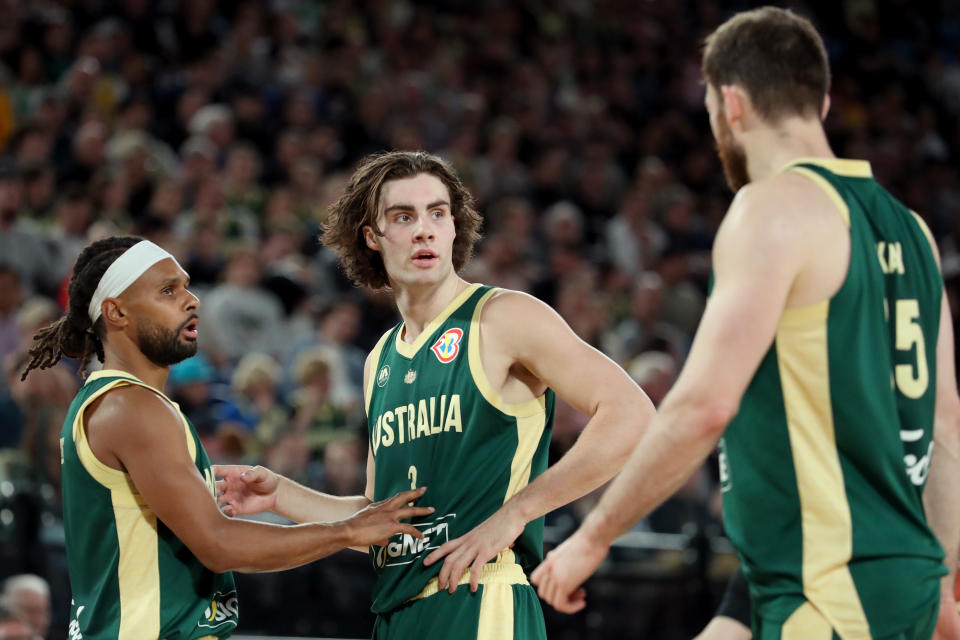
[223, 130]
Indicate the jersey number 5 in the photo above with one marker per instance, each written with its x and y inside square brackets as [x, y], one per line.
[912, 380]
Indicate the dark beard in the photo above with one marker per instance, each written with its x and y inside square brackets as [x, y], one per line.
[163, 347]
[732, 157]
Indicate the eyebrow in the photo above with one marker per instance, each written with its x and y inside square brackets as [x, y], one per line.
[410, 207]
[177, 280]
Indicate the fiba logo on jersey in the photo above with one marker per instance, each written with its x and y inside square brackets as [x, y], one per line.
[447, 346]
[383, 375]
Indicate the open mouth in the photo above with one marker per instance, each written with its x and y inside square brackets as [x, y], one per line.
[424, 257]
[190, 328]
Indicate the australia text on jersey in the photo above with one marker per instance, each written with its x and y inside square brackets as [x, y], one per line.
[410, 422]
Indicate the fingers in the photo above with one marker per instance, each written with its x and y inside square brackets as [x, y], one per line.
[411, 530]
[439, 553]
[254, 475]
[409, 495]
[475, 570]
[414, 512]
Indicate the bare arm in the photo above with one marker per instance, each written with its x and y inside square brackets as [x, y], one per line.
[246, 490]
[617, 408]
[939, 498]
[550, 352]
[756, 258]
[180, 497]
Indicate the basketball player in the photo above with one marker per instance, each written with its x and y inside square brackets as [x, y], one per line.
[460, 397]
[149, 552]
[824, 359]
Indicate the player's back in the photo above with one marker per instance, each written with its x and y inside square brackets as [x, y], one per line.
[823, 467]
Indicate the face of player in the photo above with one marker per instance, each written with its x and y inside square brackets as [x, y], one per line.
[732, 155]
[418, 231]
[164, 313]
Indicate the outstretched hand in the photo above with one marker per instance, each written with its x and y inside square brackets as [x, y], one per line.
[378, 521]
[245, 490]
[474, 550]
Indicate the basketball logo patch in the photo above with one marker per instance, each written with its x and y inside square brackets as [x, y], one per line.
[447, 346]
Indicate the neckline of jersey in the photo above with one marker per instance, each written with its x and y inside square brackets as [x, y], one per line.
[118, 373]
[409, 350]
[839, 166]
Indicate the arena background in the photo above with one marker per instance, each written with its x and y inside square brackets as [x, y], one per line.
[222, 130]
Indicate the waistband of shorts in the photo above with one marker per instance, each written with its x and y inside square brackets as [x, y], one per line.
[492, 573]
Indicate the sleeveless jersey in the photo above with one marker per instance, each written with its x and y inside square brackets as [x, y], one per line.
[435, 420]
[131, 577]
[823, 468]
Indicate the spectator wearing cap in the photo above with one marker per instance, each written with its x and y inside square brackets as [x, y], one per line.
[190, 385]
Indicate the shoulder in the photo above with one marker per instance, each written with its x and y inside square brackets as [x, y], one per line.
[776, 214]
[130, 402]
[510, 309]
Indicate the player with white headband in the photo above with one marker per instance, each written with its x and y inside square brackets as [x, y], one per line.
[149, 552]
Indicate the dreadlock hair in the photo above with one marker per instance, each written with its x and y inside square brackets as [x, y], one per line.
[73, 335]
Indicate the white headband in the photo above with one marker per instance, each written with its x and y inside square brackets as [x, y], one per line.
[124, 271]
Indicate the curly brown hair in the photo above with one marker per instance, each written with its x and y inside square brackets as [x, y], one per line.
[343, 229]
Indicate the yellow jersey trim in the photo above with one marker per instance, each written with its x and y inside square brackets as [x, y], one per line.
[374, 360]
[491, 573]
[923, 227]
[138, 570]
[409, 350]
[114, 479]
[826, 522]
[525, 409]
[828, 188]
[806, 623]
[495, 621]
[839, 166]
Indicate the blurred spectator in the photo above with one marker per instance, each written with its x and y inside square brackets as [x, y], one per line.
[316, 414]
[11, 295]
[239, 313]
[14, 627]
[28, 596]
[344, 461]
[655, 372]
[255, 399]
[190, 385]
[22, 244]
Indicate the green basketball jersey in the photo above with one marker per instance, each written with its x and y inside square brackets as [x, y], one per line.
[434, 419]
[823, 468]
[131, 577]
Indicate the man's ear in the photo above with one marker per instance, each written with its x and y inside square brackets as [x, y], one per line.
[825, 109]
[370, 238]
[735, 104]
[114, 312]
